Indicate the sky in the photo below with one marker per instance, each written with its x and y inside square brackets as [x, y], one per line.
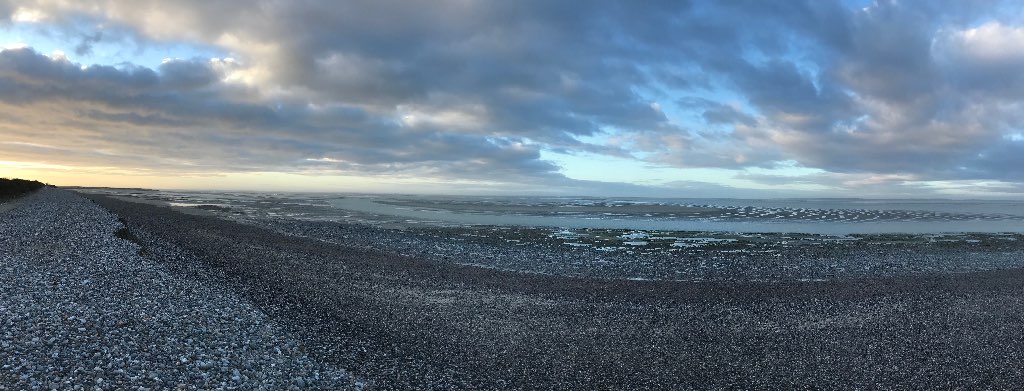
[741, 99]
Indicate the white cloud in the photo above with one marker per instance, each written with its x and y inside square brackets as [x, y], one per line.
[471, 118]
[992, 41]
[14, 45]
[28, 15]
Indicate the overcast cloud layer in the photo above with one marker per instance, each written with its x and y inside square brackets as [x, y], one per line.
[901, 95]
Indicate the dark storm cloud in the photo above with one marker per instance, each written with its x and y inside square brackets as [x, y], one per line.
[463, 88]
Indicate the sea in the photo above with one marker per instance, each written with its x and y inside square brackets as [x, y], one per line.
[825, 216]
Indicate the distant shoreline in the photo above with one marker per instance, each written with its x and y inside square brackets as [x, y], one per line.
[538, 195]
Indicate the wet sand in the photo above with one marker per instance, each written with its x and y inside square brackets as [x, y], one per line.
[549, 209]
[404, 322]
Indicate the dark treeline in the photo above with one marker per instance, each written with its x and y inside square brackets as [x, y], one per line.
[10, 188]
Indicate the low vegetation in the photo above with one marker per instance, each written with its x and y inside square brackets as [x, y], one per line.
[12, 188]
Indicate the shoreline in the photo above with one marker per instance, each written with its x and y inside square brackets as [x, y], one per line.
[664, 255]
[408, 322]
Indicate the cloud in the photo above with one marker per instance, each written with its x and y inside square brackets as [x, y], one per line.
[488, 93]
[187, 75]
[991, 42]
[475, 90]
[727, 115]
[6, 12]
[909, 90]
[31, 77]
[84, 47]
[183, 117]
[1002, 160]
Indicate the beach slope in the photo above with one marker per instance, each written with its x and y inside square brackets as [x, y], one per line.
[408, 323]
[81, 307]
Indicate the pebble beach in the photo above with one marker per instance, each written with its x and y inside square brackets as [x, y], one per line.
[82, 309]
[101, 293]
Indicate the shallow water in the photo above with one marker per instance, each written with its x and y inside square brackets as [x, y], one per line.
[831, 217]
[814, 216]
